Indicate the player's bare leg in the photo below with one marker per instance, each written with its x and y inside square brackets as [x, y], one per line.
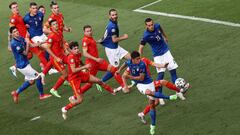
[73, 102]
[94, 79]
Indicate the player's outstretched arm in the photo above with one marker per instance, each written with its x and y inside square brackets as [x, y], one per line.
[74, 69]
[116, 39]
[140, 49]
[87, 55]
[47, 46]
[164, 34]
[123, 66]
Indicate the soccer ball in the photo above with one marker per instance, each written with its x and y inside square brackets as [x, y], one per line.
[180, 83]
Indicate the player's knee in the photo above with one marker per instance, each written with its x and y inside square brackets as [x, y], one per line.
[31, 82]
[148, 92]
[113, 69]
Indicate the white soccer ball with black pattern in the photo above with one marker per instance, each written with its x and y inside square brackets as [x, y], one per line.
[180, 83]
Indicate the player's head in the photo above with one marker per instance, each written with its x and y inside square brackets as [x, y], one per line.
[87, 30]
[149, 24]
[74, 47]
[113, 14]
[54, 7]
[14, 7]
[42, 9]
[53, 25]
[14, 31]
[135, 56]
[33, 8]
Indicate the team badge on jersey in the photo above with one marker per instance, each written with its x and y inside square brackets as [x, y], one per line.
[72, 60]
[84, 44]
[18, 48]
[113, 30]
[12, 20]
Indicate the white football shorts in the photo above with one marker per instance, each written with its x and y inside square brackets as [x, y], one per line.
[115, 55]
[29, 73]
[143, 87]
[40, 39]
[166, 58]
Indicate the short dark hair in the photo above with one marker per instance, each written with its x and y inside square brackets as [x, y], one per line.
[50, 22]
[53, 3]
[111, 10]
[13, 3]
[41, 6]
[32, 4]
[135, 54]
[148, 20]
[86, 26]
[11, 29]
[73, 44]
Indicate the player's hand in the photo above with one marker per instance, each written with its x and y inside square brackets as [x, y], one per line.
[125, 36]
[87, 66]
[27, 25]
[166, 64]
[58, 60]
[99, 41]
[69, 29]
[99, 60]
[117, 72]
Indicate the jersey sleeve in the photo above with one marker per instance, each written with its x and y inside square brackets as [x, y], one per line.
[25, 19]
[17, 48]
[49, 39]
[113, 31]
[157, 26]
[147, 61]
[143, 41]
[85, 43]
[71, 60]
[12, 21]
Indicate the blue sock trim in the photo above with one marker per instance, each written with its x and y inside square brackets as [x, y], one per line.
[160, 77]
[160, 95]
[173, 75]
[153, 116]
[39, 86]
[107, 76]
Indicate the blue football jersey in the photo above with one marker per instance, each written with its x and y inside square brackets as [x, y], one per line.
[18, 46]
[111, 30]
[137, 69]
[35, 24]
[155, 40]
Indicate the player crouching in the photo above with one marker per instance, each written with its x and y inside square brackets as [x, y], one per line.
[76, 76]
[137, 71]
[20, 50]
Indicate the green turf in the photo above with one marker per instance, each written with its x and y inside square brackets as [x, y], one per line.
[207, 54]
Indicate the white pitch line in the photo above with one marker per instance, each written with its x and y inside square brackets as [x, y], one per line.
[150, 4]
[188, 17]
[35, 118]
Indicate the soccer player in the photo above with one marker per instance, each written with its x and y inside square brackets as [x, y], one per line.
[58, 16]
[157, 39]
[54, 46]
[138, 72]
[34, 22]
[42, 9]
[76, 76]
[20, 50]
[16, 20]
[90, 51]
[110, 41]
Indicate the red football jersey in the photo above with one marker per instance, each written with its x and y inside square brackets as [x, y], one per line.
[76, 60]
[147, 62]
[17, 20]
[91, 45]
[55, 39]
[59, 18]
